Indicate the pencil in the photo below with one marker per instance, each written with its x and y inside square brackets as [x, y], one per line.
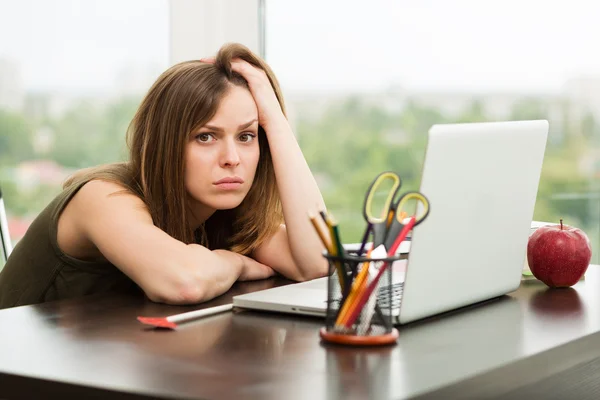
[335, 236]
[367, 290]
[338, 250]
[321, 234]
[356, 286]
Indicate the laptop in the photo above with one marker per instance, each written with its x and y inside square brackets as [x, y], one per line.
[481, 180]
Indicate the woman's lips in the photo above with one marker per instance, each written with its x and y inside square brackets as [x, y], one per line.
[228, 185]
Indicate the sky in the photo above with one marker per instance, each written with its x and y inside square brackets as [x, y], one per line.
[434, 45]
[82, 44]
[322, 45]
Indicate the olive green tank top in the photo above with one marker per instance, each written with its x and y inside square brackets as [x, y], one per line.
[38, 271]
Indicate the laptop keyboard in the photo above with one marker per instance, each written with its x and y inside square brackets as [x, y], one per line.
[383, 296]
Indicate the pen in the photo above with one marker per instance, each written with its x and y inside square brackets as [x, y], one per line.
[363, 243]
[172, 320]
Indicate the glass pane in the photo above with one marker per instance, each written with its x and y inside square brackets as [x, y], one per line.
[71, 76]
[368, 79]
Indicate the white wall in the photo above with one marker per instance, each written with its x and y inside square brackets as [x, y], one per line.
[198, 28]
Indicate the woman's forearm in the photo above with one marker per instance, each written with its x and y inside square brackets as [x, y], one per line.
[201, 275]
[299, 194]
[194, 276]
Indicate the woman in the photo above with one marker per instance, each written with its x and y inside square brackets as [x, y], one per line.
[214, 172]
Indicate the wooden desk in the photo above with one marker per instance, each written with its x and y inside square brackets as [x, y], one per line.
[531, 344]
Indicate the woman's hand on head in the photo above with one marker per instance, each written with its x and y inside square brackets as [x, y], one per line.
[269, 109]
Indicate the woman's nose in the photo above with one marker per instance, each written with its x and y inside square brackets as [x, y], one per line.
[230, 156]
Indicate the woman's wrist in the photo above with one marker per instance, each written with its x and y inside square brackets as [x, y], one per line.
[234, 260]
[276, 124]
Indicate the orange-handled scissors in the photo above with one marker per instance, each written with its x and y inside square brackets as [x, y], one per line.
[378, 219]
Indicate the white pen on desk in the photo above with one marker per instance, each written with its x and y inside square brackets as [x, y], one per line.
[172, 320]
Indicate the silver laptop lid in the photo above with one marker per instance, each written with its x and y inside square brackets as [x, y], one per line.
[481, 180]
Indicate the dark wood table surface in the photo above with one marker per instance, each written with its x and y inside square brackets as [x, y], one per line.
[534, 343]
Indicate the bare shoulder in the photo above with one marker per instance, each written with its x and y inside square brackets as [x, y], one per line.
[98, 188]
[99, 196]
[91, 210]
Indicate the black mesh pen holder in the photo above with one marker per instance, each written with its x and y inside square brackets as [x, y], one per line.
[360, 300]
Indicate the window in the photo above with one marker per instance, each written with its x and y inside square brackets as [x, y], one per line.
[364, 82]
[72, 74]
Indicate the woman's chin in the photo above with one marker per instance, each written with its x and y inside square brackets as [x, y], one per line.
[227, 202]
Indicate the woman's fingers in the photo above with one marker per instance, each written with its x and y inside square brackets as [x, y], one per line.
[242, 67]
[247, 70]
[260, 88]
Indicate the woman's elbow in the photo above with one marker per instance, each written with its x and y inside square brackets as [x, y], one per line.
[312, 271]
[181, 291]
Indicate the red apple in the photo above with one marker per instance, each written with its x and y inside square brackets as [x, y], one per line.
[558, 255]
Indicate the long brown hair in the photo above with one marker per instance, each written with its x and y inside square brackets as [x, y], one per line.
[184, 98]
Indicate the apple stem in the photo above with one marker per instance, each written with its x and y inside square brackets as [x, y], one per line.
[561, 224]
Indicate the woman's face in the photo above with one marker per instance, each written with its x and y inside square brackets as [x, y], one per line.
[222, 156]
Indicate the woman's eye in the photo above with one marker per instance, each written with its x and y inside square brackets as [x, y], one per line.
[204, 137]
[247, 137]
